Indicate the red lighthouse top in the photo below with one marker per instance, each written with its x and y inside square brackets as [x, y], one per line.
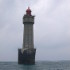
[28, 11]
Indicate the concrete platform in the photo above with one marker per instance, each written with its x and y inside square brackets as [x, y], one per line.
[27, 56]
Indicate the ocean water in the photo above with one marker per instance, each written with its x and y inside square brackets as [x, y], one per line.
[39, 65]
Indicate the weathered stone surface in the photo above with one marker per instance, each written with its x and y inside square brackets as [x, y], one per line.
[26, 55]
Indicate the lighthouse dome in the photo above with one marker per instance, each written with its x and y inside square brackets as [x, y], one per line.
[28, 11]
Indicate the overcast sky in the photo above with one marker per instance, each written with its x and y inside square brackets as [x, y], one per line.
[51, 28]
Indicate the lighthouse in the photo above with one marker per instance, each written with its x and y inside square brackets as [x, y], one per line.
[26, 55]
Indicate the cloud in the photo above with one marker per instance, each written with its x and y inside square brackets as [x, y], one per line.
[51, 28]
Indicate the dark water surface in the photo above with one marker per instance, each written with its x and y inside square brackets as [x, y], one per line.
[40, 65]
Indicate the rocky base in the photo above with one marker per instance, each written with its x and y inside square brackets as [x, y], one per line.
[27, 56]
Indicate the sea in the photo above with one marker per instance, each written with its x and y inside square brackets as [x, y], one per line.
[39, 65]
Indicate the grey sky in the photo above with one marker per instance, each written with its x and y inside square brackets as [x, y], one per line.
[51, 28]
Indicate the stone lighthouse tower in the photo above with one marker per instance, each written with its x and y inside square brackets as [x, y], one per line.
[26, 55]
